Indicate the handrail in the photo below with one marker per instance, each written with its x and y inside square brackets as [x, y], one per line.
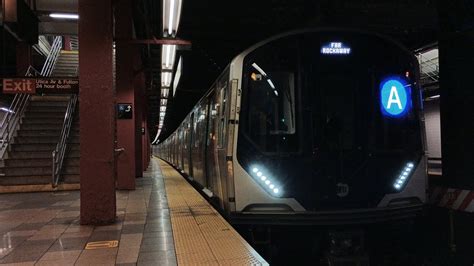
[74, 43]
[52, 57]
[18, 106]
[60, 150]
[15, 112]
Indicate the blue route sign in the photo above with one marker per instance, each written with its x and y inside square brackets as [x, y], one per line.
[394, 98]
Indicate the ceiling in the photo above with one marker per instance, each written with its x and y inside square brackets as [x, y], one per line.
[219, 30]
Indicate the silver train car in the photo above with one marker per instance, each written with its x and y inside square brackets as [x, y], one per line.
[316, 126]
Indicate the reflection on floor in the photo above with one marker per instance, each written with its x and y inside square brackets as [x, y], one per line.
[43, 228]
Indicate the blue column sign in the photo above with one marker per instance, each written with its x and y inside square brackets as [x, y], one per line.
[394, 98]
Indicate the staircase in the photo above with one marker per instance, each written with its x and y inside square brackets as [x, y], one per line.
[67, 64]
[28, 161]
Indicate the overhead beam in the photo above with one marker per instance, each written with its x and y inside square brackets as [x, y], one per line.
[183, 44]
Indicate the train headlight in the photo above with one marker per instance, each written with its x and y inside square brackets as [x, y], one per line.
[266, 181]
[403, 177]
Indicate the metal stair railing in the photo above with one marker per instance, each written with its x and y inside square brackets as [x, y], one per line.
[18, 106]
[52, 57]
[74, 43]
[60, 150]
[14, 114]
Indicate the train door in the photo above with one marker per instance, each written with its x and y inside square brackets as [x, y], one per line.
[173, 149]
[190, 143]
[180, 148]
[220, 153]
[198, 146]
[211, 144]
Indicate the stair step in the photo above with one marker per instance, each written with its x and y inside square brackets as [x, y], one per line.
[65, 71]
[40, 115]
[25, 180]
[49, 98]
[70, 186]
[66, 75]
[46, 109]
[73, 150]
[45, 162]
[71, 71]
[27, 171]
[73, 154]
[71, 179]
[29, 147]
[30, 126]
[31, 154]
[68, 162]
[42, 121]
[69, 63]
[73, 140]
[37, 139]
[49, 103]
[36, 171]
[35, 133]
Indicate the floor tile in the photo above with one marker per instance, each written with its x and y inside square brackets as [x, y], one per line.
[30, 250]
[59, 258]
[66, 244]
[156, 256]
[132, 229]
[29, 226]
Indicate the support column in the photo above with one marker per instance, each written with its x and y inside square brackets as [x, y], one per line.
[456, 55]
[97, 113]
[144, 144]
[125, 94]
[23, 58]
[139, 99]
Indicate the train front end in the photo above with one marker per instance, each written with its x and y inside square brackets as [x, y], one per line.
[329, 128]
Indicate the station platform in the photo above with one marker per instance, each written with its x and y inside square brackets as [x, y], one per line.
[163, 222]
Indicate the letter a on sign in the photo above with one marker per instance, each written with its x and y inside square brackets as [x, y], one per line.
[394, 98]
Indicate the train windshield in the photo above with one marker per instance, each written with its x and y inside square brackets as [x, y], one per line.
[271, 114]
[313, 111]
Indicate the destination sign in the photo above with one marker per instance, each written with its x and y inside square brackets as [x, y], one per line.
[336, 48]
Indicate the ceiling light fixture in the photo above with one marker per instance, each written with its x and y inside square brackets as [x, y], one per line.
[64, 16]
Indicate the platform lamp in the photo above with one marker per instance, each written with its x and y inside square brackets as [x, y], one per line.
[165, 92]
[168, 56]
[171, 17]
[166, 79]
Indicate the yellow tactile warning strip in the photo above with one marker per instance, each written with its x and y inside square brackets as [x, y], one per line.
[102, 244]
[200, 234]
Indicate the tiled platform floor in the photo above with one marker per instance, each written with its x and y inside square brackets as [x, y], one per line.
[43, 228]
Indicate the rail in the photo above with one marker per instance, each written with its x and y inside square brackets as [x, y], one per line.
[18, 106]
[74, 43]
[52, 57]
[60, 150]
[14, 114]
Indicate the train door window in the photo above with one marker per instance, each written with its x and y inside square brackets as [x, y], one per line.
[220, 107]
[212, 119]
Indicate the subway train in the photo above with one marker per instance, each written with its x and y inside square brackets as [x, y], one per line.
[318, 126]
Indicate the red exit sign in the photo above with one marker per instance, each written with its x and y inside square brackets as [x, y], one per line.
[19, 85]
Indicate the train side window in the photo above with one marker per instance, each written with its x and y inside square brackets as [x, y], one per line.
[212, 107]
[221, 111]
